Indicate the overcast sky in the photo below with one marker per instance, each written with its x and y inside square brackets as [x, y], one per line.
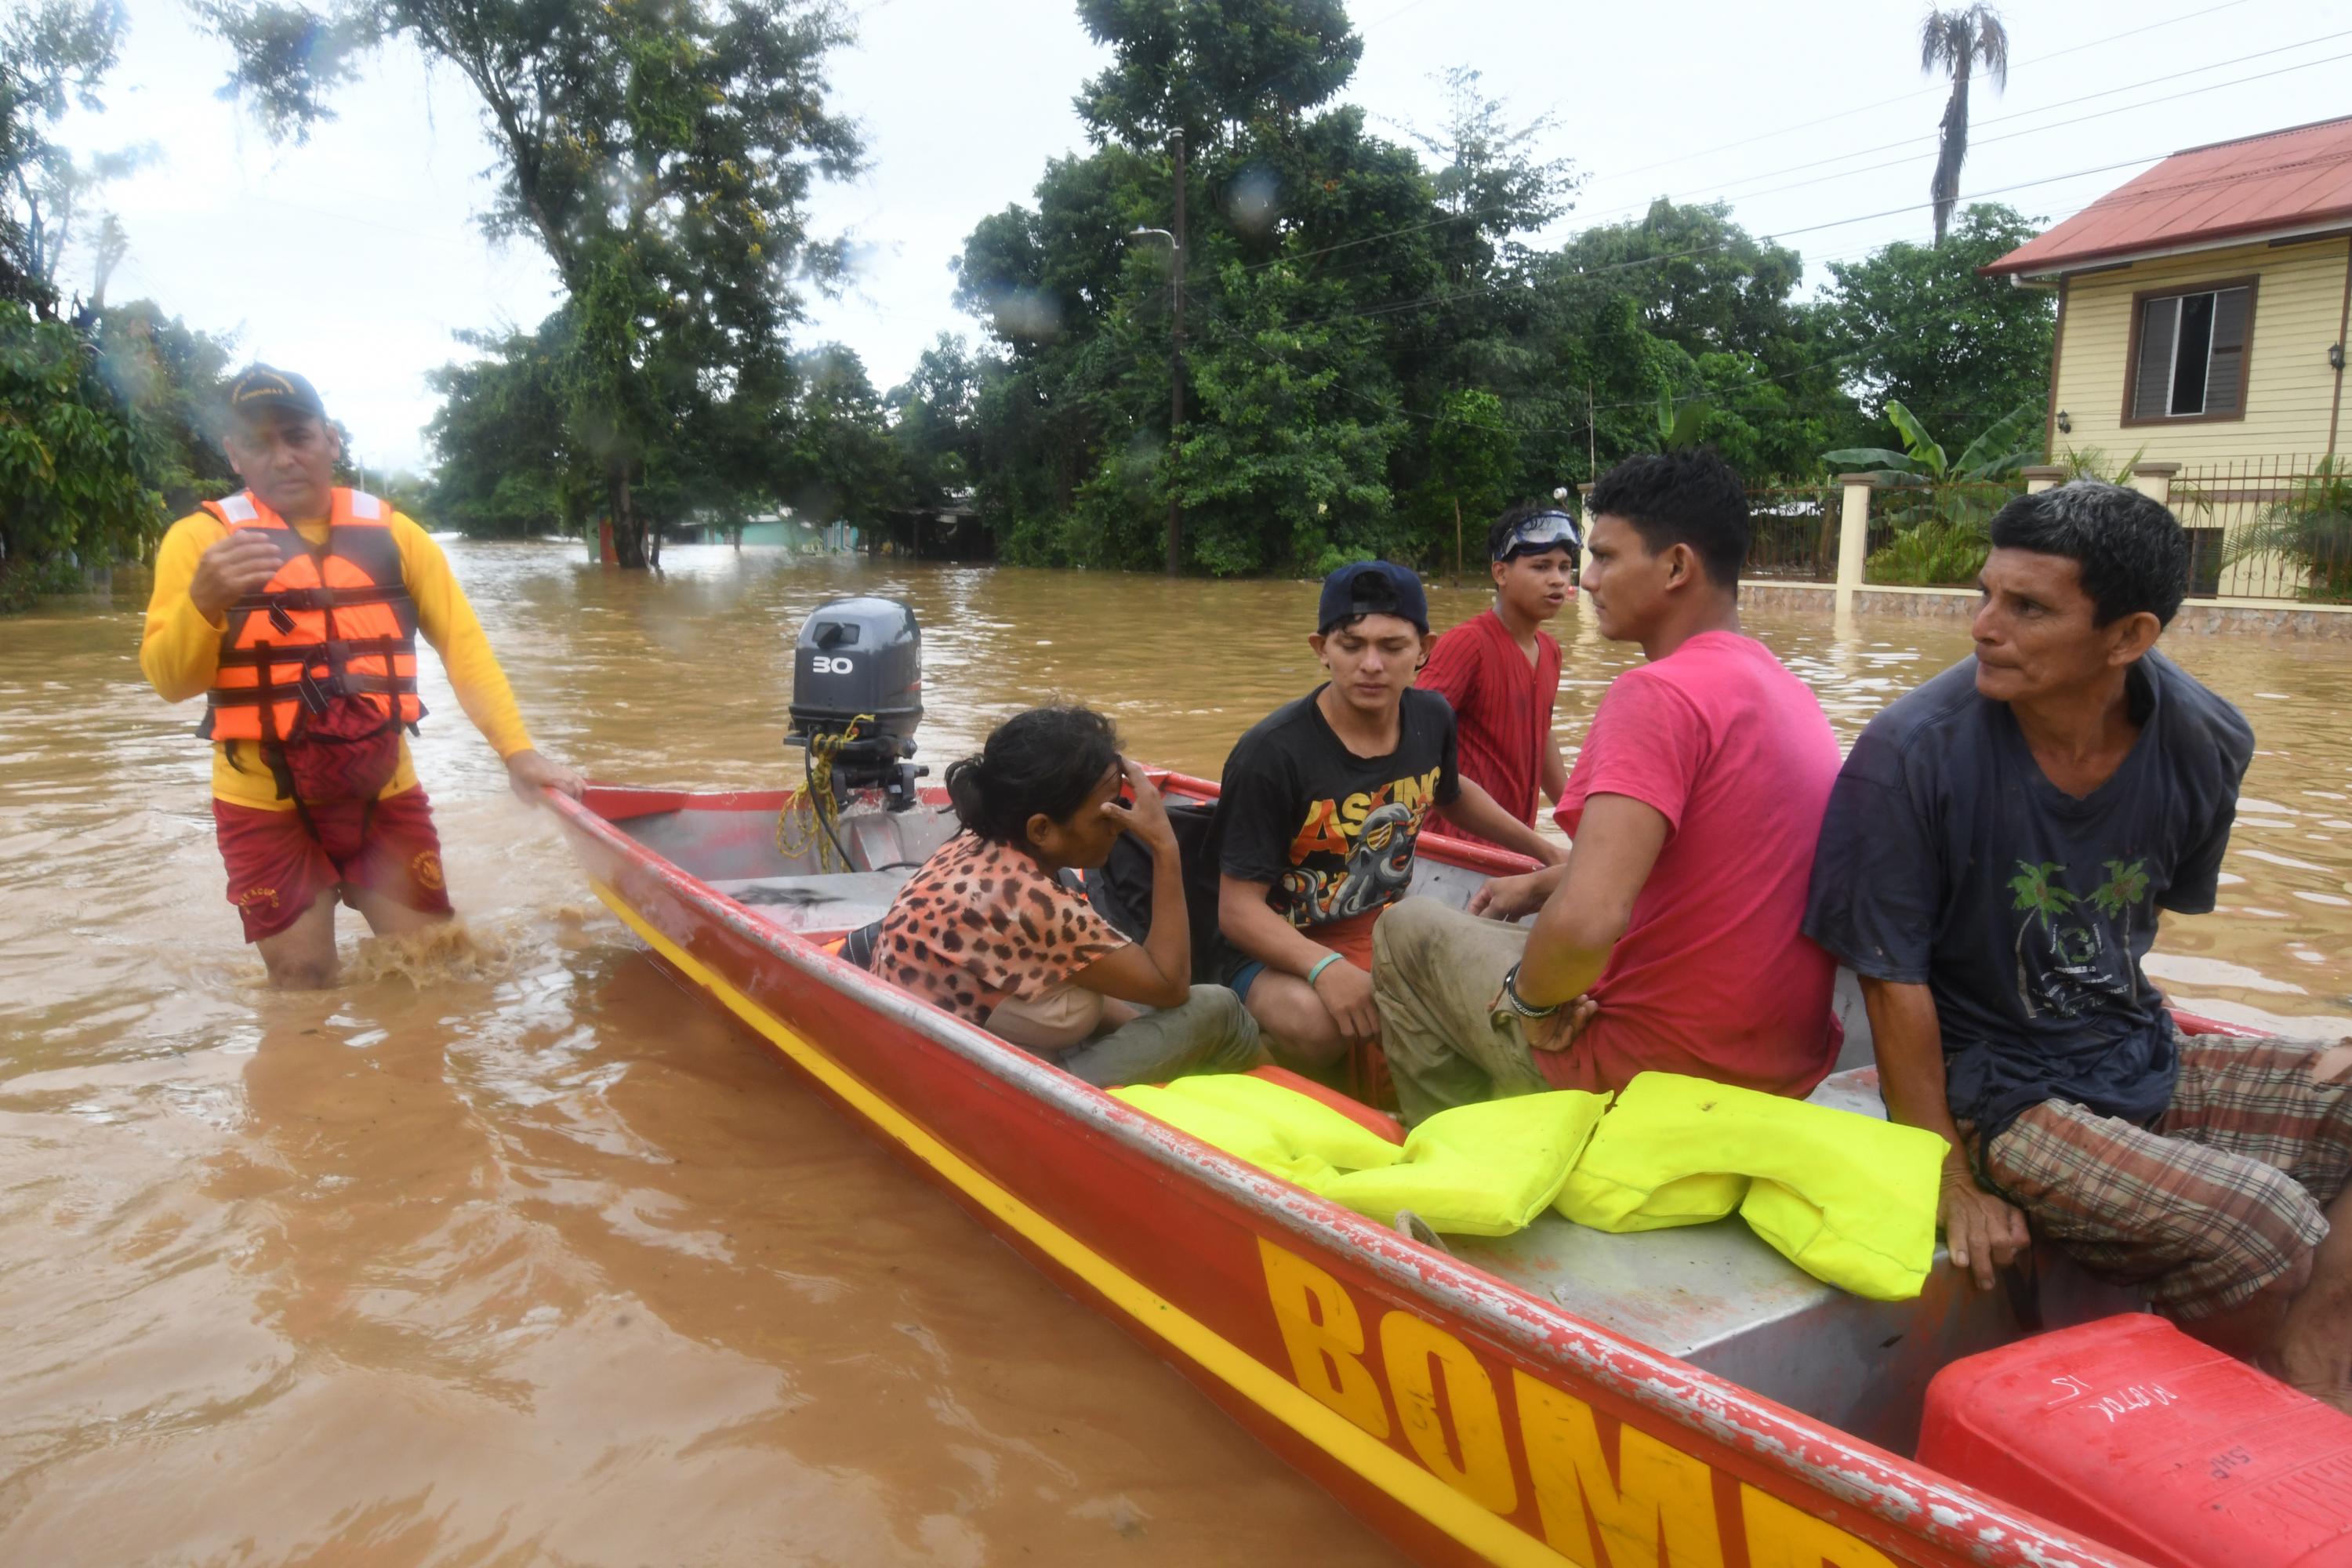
[354, 258]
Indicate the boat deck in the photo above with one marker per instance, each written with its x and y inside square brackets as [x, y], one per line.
[1713, 1295]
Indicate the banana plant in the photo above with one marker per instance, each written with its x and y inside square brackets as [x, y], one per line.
[1939, 505]
[1678, 427]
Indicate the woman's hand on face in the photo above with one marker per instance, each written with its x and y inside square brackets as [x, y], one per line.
[1147, 818]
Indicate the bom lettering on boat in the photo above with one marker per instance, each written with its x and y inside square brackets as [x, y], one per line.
[1598, 1492]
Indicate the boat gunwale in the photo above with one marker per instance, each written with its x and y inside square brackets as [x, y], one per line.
[1900, 1493]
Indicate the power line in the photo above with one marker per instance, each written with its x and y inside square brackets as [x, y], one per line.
[2114, 198]
[2029, 131]
[1916, 92]
[1974, 143]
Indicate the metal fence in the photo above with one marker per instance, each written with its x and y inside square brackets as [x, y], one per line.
[1793, 534]
[1931, 536]
[2268, 528]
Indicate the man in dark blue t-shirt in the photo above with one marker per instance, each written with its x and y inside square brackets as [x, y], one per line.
[1995, 854]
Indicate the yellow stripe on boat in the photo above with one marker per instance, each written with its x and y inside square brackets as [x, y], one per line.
[1491, 1537]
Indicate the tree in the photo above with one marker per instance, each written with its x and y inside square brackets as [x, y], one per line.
[935, 422]
[1207, 68]
[172, 377]
[1287, 464]
[843, 467]
[1955, 42]
[659, 152]
[53, 54]
[79, 475]
[508, 466]
[1920, 326]
[1474, 468]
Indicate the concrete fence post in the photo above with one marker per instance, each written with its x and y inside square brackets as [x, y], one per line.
[1584, 526]
[1853, 529]
[2043, 477]
[2154, 481]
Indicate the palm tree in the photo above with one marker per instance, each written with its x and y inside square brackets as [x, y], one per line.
[1957, 42]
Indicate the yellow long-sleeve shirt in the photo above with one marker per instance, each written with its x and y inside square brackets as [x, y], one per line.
[179, 649]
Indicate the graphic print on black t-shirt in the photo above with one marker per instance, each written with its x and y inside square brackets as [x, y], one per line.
[1948, 859]
[2073, 951]
[1372, 835]
[1331, 833]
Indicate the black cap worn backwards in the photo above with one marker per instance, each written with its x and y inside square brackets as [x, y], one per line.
[1373, 588]
[261, 387]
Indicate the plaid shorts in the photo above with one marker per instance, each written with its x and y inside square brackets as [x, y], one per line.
[2221, 1196]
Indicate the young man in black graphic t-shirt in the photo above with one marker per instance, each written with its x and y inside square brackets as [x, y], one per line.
[1322, 804]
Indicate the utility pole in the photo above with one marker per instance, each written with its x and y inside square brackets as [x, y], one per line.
[1176, 373]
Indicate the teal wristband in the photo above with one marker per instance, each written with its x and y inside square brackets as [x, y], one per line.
[1326, 962]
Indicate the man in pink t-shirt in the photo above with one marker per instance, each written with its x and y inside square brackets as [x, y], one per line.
[1670, 939]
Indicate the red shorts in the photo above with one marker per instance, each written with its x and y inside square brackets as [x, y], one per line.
[277, 870]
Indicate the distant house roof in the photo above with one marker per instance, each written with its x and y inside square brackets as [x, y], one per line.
[2284, 181]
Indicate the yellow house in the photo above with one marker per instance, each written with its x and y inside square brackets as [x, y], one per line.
[2202, 313]
[2202, 308]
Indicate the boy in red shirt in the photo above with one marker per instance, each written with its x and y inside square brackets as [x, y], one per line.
[1500, 670]
[1670, 940]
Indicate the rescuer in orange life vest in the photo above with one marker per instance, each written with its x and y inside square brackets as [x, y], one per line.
[294, 607]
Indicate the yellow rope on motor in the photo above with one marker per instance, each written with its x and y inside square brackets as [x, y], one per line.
[825, 813]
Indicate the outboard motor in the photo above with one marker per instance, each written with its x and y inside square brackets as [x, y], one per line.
[861, 661]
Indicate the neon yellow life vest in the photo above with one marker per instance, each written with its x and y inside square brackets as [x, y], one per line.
[1475, 1170]
[1848, 1198]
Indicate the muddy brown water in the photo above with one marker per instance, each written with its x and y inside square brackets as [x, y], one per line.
[508, 1251]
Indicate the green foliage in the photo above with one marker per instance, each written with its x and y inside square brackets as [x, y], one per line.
[53, 54]
[1289, 455]
[2310, 526]
[1917, 325]
[508, 467]
[172, 376]
[660, 152]
[845, 466]
[1369, 339]
[78, 476]
[1940, 507]
[1678, 427]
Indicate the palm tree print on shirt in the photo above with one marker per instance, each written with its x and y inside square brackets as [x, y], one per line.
[2039, 896]
[2124, 890]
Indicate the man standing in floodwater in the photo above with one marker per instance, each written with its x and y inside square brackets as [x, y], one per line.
[294, 608]
[1995, 856]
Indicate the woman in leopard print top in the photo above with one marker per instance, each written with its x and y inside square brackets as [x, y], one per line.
[989, 931]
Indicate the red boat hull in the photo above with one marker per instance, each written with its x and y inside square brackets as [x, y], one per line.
[1461, 1416]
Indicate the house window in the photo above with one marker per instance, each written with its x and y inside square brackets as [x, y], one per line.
[2188, 355]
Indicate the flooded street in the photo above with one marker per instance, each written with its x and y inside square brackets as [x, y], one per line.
[512, 1252]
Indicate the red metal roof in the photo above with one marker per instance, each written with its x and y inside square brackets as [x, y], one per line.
[2292, 179]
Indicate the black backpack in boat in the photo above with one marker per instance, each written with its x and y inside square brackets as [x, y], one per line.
[1121, 888]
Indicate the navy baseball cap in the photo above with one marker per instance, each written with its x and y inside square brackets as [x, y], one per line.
[262, 386]
[1373, 588]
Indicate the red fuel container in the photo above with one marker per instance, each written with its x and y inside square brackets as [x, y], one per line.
[2135, 1435]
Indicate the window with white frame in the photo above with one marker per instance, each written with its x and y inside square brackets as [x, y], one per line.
[2190, 354]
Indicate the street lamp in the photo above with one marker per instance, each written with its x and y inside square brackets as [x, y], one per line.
[1175, 355]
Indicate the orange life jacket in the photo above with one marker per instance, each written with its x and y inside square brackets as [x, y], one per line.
[333, 621]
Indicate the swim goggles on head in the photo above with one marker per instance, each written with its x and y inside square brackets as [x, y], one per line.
[1545, 531]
